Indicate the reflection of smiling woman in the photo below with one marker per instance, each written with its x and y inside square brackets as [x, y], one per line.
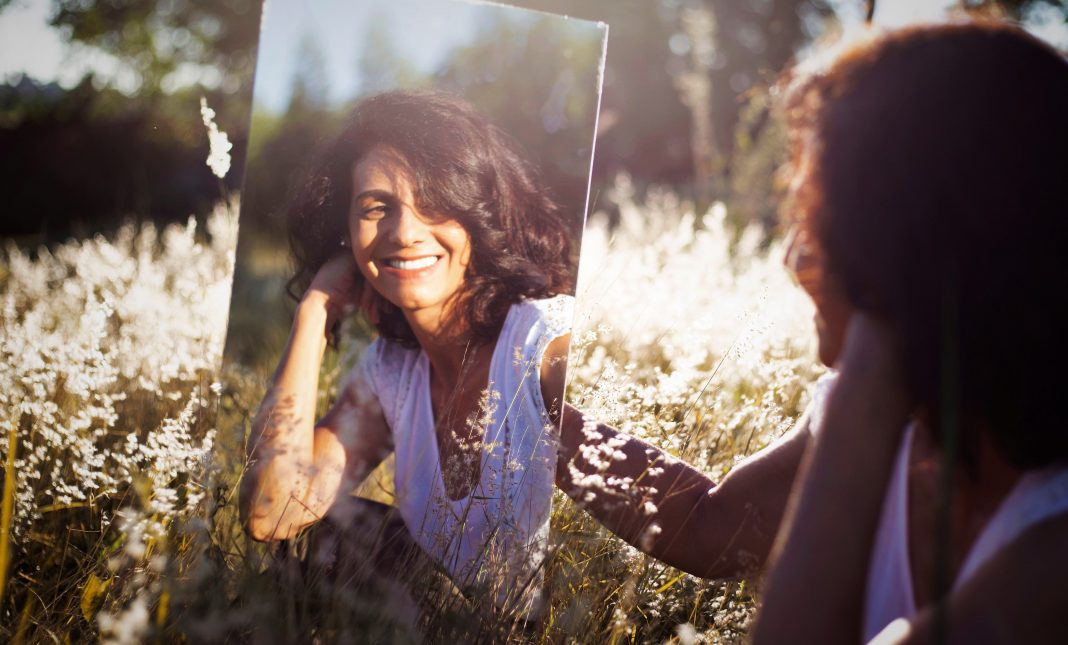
[460, 261]
[416, 261]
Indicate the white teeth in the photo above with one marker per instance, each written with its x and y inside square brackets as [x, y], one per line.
[412, 265]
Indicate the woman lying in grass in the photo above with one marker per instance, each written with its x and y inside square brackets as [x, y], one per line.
[425, 215]
[924, 495]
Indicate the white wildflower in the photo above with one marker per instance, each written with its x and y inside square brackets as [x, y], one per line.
[691, 336]
[649, 535]
[687, 634]
[128, 627]
[218, 141]
[86, 325]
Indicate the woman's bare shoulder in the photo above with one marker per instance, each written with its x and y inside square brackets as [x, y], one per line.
[554, 372]
[1016, 597]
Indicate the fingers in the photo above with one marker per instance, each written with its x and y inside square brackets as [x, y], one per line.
[340, 281]
[336, 278]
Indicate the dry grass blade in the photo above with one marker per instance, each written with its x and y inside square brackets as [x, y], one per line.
[7, 511]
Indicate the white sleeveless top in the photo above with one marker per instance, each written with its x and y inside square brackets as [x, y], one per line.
[1038, 495]
[496, 536]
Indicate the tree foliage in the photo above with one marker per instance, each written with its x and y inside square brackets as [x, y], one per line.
[114, 154]
[164, 40]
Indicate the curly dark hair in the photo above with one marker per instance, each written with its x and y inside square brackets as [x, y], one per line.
[935, 184]
[460, 165]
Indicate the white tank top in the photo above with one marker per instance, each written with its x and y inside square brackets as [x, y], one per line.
[495, 538]
[1038, 495]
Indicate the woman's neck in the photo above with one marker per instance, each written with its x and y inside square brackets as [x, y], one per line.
[444, 339]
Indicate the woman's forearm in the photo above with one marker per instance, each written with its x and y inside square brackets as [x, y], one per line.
[672, 511]
[281, 490]
[629, 486]
[816, 589]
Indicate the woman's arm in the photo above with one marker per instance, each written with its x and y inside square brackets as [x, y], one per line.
[296, 466]
[816, 588]
[679, 516]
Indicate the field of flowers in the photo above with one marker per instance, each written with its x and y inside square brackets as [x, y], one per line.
[690, 335]
[119, 504]
[109, 348]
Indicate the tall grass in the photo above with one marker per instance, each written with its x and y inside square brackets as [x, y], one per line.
[108, 349]
[689, 335]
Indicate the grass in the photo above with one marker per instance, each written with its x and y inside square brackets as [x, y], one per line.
[120, 502]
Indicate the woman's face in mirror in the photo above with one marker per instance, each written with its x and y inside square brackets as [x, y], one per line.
[415, 260]
[832, 308]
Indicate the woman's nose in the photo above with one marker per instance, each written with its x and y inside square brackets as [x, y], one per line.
[408, 228]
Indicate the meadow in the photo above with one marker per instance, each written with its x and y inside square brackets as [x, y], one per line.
[125, 440]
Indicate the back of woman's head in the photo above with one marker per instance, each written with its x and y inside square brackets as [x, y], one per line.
[461, 166]
[937, 189]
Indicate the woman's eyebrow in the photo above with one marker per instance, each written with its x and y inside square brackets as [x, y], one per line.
[375, 193]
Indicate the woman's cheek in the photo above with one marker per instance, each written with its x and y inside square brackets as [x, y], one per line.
[363, 250]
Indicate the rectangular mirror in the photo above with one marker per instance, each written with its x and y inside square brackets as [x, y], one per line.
[413, 203]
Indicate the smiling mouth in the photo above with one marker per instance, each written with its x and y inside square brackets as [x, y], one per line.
[411, 265]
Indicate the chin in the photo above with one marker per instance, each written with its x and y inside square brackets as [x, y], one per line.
[415, 301]
[408, 303]
[827, 349]
[827, 357]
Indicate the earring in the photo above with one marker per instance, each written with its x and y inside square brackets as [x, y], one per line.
[344, 243]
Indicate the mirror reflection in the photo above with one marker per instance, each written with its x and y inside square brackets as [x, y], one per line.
[403, 297]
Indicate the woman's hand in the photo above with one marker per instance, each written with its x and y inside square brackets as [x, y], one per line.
[669, 509]
[832, 518]
[872, 355]
[334, 287]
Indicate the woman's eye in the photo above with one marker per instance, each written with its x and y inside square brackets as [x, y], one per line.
[378, 211]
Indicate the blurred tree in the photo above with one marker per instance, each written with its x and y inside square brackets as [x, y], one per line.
[380, 66]
[77, 161]
[695, 90]
[720, 141]
[644, 128]
[311, 91]
[283, 146]
[169, 43]
[1017, 9]
[537, 80]
[679, 73]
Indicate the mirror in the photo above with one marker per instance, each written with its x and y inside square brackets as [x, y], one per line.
[414, 196]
